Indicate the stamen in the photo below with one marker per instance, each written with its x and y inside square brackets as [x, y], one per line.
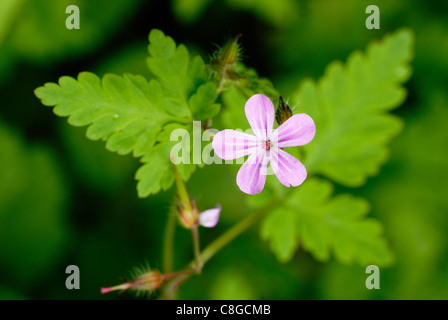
[268, 144]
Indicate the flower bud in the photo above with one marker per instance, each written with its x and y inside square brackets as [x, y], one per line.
[188, 215]
[227, 55]
[283, 112]
[146, 281]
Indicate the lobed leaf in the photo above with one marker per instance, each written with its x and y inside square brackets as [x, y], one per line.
[321, 223]
[125, 111]
[350, 106]
[178, 76]
[135, 115]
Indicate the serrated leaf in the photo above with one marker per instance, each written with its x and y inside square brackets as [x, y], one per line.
[178, 75]
[279, 228]
[134, 115]
[125, 111]
[202, 102]
[349, 105]
[155, 174]
[322, 224]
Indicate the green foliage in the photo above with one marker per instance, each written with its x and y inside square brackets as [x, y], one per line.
[112, 230]
[321, 223]
[349, 105]
[33, 229]
[134, 115]
[40, 33]
[235, 97]
[232, 284]
[10, 294]
[278, 13]
[188, 11]
[35, 31]
[8, 12]
[96, 167]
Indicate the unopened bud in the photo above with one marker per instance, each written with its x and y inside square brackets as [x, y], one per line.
[146, 281]
[188, 215]
[283, 112]
[227, 55]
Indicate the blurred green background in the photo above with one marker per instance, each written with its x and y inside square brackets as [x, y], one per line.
[66, 200]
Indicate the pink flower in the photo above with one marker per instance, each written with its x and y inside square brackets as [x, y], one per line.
[266, 146]
[189, 216]
[209, 218]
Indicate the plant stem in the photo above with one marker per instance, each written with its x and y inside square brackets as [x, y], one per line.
[177, 274]
[171, 289]
[221, 82]
[197, 251]
[169, 242]
[215, 247]
[235, 231]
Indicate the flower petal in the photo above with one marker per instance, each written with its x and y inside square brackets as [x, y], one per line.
[296, 131]
[260, 114]
[252, 175]
[289, 170]
[230, 144]
[209, 218]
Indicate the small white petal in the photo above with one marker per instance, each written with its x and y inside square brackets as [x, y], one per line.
[209, 218]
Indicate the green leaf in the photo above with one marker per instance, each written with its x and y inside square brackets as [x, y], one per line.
[239, 92]
[178, 75]
[134, 115]
[279, 228]
[202, 102]
[321, 223]
[233, 114]
[350, 104]
[125, 111]
[155, 174]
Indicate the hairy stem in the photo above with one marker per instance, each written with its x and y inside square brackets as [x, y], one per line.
[221, 82]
